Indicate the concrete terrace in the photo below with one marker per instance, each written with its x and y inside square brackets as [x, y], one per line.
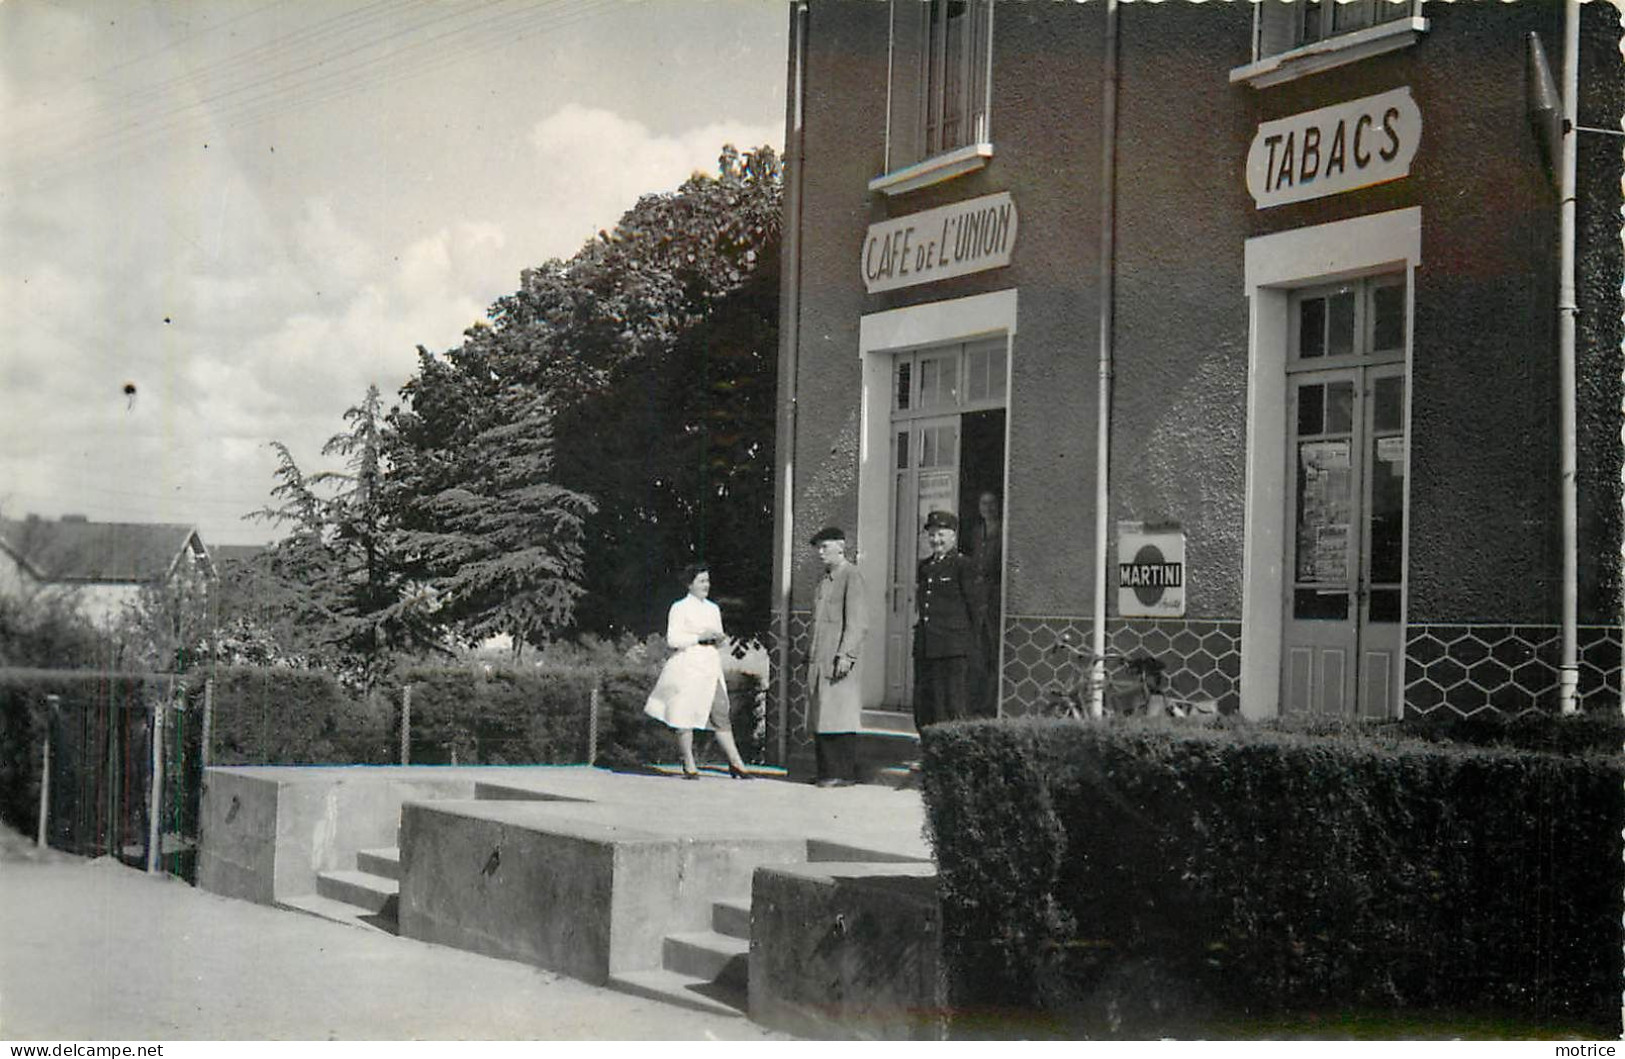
[729, 896]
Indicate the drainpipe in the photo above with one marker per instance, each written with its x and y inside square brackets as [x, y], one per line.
[1569, 671]
[1108, 285]
[789, 348]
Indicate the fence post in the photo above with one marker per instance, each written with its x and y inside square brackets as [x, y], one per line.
[406, 725]
[205, 754]
[155, 791]
[45, 773]
[592, 719]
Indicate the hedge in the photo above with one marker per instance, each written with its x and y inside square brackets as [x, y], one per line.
[1120, 876]
[276, 716]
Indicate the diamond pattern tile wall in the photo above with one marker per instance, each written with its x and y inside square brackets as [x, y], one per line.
[1202, 657]
[1509, 669]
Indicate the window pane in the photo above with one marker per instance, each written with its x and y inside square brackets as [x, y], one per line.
[1309, 604]
[1351, 15]
[1309, 28]
[1387, 508]
[1312, 327]
[976, 375]
[1340, 324]
[1389, 410]
[904, 376]
[1388, 317]
[928, 448]
[1311, 411]
[1340, 408]
[1383, 605]
[902, 450]
[1388, 10]
[1324, 504]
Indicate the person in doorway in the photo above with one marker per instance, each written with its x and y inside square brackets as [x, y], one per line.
[986, 548]
[691, 690]
[834, 681]
[950, 601]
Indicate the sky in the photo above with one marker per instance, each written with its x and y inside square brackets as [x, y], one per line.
[221, 220]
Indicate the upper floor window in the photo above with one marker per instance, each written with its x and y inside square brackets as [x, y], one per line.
[938, 98]
[1295, 38]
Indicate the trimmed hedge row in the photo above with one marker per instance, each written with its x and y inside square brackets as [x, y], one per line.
[1118, 875]
[274, 716]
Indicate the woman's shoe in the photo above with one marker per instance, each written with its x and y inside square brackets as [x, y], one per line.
[687, 775]
[739, 774]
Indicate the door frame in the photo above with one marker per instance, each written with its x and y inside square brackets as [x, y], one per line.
[1274, 266]
[880, 336]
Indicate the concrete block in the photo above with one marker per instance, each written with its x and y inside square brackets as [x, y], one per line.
[237, 831]
[532, 881]
[848, 951]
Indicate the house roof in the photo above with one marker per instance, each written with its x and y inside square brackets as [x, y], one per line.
[74, 549]
[235, 553]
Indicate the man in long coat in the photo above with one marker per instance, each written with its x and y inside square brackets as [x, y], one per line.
[834, 678]
[950, 600]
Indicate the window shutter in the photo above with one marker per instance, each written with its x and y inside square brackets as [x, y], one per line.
[1277, 23]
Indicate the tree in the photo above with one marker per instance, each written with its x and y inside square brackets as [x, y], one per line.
[498, 541]
[655, 350]
[338, 569]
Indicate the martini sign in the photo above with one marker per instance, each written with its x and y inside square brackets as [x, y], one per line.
[1150, 571]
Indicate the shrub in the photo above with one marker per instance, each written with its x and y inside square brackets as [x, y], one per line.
[499, 717]
[277, 716]
[1264, 869]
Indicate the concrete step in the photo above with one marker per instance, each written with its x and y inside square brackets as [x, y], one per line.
[683, 990]
[710, 956]
[382, 862]
[341, 912]
[371, 893]
[899, 777]
[889, 721]
[731, 917]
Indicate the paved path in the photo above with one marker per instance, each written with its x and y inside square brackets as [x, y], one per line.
[93, 950]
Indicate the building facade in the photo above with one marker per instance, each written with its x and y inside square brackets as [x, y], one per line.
[1314, 249]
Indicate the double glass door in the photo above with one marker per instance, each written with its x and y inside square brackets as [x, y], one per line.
[1343, 638]
[948, 426]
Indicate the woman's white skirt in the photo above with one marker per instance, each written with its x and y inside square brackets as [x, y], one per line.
[687, 686]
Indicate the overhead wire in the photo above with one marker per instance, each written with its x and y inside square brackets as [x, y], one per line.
[343, 68]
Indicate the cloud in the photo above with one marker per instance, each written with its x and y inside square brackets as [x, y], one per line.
[593, 165]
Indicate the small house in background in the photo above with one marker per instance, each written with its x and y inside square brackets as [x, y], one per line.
[103, 566]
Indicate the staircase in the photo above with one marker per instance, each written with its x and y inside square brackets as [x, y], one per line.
[367, 896]
[706, 970]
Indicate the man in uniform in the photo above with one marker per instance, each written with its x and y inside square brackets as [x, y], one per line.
[834, 684]
[950, 600]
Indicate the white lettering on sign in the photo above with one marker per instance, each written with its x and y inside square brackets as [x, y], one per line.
[1334, 149]
[1150, 571]
[940, 244]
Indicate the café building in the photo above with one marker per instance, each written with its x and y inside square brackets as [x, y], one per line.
[1239, 332]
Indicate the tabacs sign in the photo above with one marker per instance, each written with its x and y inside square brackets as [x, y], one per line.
[1334, 149]
[939, 244]
[1150, 571]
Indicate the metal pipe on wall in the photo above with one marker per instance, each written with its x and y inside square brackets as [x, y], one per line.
[790, 340]
[1567, 309]
[1108, 285]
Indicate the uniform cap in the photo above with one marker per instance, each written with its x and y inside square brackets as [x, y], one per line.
[941, 520]
[828, 533]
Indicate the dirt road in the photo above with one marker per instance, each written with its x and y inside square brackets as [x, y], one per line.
[93, 950]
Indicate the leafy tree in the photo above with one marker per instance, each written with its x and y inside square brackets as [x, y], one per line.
[499, 543]
[336, 569]
[655, 348]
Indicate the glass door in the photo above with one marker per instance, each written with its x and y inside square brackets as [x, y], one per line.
[1346, 500]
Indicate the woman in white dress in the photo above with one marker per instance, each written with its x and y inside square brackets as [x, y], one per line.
[691, 690]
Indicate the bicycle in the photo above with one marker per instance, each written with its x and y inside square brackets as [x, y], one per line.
[1134, 685]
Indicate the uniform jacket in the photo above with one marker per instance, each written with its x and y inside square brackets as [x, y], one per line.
[683, 694]
[950, 599]
[840, 619]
